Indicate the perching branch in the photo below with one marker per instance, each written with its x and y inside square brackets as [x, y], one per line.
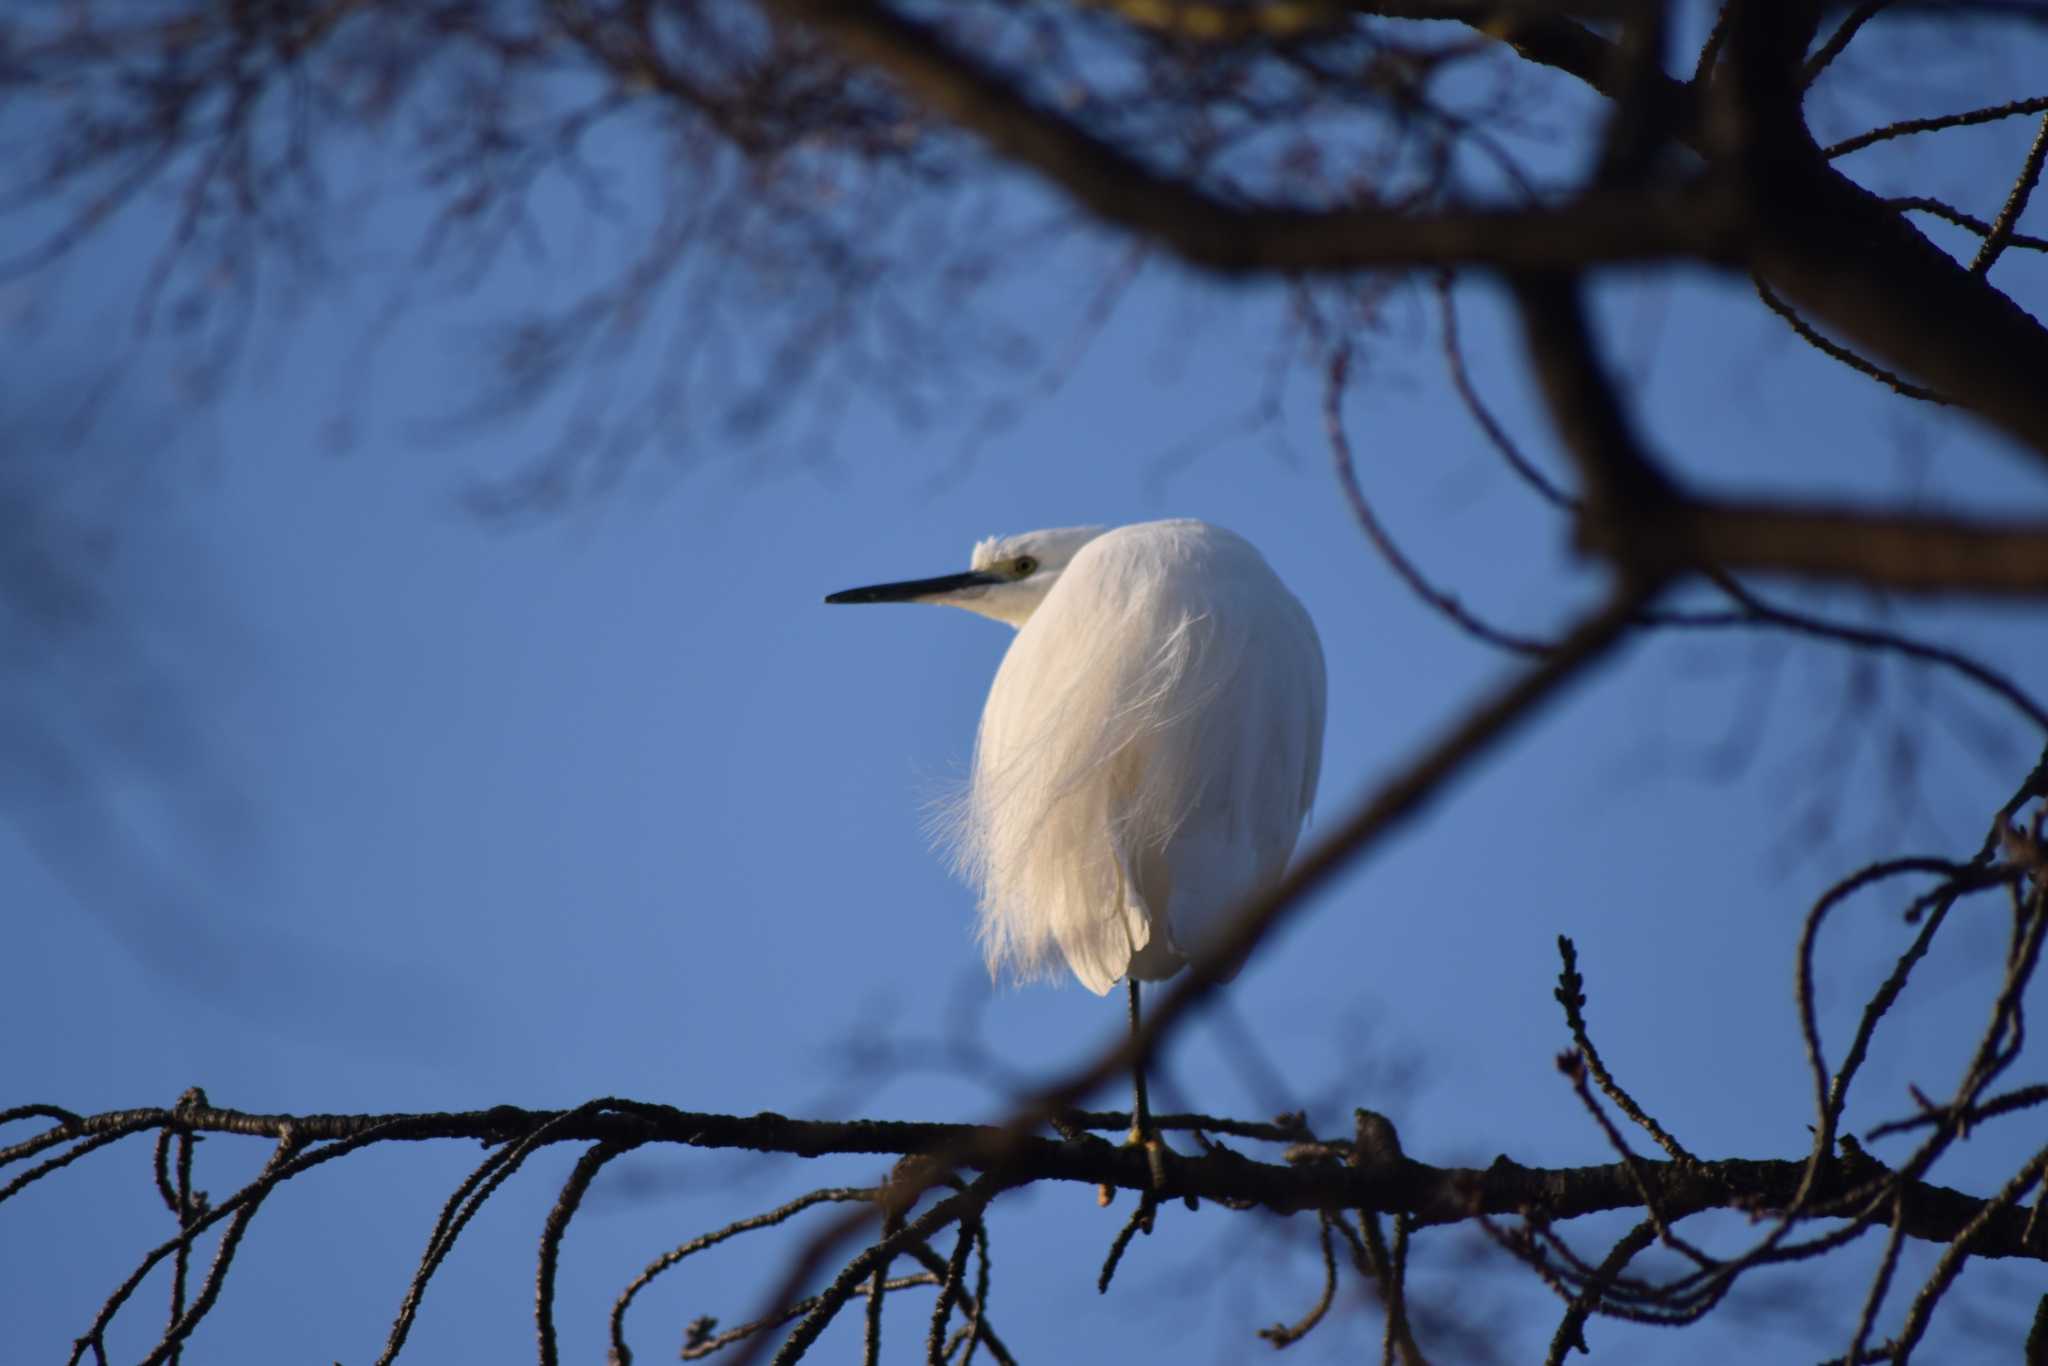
[1423, 1195]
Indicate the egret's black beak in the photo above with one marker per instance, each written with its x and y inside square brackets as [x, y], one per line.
[910, 590]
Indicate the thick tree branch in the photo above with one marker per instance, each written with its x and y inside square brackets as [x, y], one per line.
[1898, 551]
[1840, 253]
[1837, 251]
[1428, 1195]
[1622, 482]
[1218, 235]
[1635, 517]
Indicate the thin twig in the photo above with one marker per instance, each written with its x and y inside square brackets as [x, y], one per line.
[975, 1309]
[1369, 522]
[15, 1113]
[2015, 203]
[1958, 1251]
[1944, 210]
[1839, 40]
[463, 1205]
[1861, 364]
[621, 1354]
[1988, 114]
[1141, 1218]
[704, 1343]
[230, 1239]
[252, 1193]
[455, 1213]
[1757, 610]
[954, 1207]
[1399, 1335]
[1575, 1070]
[980, 1330]
[1376, 1143]
[1571, 994]
[949, 1293]
[1468, 393]
[871, 1339]
[65, 1159]
[181, 1260]
[1880, 1284]
[1831, 1090]
[2022, 1098]
[1287, 1334]
[557, 1224]
[1571, 1331]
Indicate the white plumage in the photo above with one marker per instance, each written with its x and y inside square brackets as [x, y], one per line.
[1149, 749]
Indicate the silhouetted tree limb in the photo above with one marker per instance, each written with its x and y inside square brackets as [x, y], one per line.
[1430, 1196]
[1427, 1196]
[1236, 240]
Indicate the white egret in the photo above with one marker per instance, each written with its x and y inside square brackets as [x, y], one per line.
[1148, 752]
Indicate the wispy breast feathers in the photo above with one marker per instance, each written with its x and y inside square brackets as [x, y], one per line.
[1093, 754]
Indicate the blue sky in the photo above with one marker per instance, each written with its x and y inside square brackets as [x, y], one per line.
[373, 805]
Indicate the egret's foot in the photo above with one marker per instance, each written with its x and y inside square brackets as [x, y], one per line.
[1155, 1158]
[1156, 1154]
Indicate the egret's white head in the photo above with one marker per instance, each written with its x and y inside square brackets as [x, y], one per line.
[1007, 577]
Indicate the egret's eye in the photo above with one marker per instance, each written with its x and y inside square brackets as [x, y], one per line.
[1024, 565]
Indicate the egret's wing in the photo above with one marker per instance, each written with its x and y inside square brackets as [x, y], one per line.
[1058, 764]
[1257, 756]
[1146, 744]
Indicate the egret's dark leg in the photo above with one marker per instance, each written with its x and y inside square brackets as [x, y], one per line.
[1142, 1135]
[1141, 1112]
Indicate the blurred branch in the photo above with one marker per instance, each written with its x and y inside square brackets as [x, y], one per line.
[1222, 236]
[1904, 552]
[1751, 608]
[1756, 194]
[1437, 599]
[1833, 248]
[1468, 394]
[1635, 517]
[1622, 482]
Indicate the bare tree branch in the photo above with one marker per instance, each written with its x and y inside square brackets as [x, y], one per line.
[1225, 237]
